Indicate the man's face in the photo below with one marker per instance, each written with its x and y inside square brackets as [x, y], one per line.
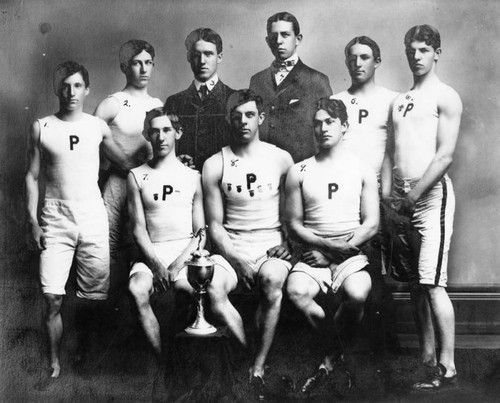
[327, 130]
[73, 93]
[245, 122]
[421, 57]
[282, 40]
[139, 69]
[361, 63]
[162, 136]
[204, 60]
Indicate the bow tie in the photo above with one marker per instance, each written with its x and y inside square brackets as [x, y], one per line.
[283, 66]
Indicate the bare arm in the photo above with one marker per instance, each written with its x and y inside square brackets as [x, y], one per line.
[214, 209]
[198, 222]
[369, 209]
[141, 235]
[281, 251]
[388, 163]
[107, 109]
[31, 181]
[113, 152]
[331, 248]
[450, 112]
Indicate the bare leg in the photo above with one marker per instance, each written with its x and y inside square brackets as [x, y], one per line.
[445, 323]
[423, 322]
[54, 324]
[221, 285]
[141, 286]
[302, 290]
[355, 289]
[271, 277]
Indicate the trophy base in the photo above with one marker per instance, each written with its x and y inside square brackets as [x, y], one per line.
[200, 330]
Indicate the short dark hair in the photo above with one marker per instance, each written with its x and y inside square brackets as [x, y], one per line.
[241, 97]
[203, 34]
[66, 69]
[156, 113]
[423, 33]
[132, 48]
[334, 107]
[363, 40]
[283, 16]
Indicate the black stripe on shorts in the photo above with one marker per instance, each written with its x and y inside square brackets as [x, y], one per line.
[442, 228]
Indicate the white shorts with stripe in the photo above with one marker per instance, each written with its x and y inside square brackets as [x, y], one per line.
[420, 251]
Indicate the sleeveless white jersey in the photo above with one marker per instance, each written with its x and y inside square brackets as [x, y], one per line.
[167, 197]
[70, 157]
[368, 118]
[128, 124]
[251, 190]
[415, 118]
[331, 198]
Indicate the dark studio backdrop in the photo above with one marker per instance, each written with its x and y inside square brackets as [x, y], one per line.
[37, 35]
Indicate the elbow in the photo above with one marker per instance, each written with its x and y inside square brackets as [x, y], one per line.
[446, 160]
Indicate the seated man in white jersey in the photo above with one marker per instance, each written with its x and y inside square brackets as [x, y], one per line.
[166, 208]
[124, 113]
[65, 148]
[332, 209]
[426, 125]
[369, 106]
[242, 185]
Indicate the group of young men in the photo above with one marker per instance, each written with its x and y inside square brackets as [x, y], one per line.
[290, 183]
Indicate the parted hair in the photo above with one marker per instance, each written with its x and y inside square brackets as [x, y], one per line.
[423, 33]
[334, 107]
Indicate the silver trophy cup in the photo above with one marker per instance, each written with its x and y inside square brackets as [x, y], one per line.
[200, 271]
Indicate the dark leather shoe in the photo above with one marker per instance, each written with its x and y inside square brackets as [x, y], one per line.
[437, 382]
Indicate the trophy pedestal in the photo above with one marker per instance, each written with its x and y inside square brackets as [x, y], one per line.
[200, 325]
[201, 363]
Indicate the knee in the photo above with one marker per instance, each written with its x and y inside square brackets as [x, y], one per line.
[54, 303]
[216, 295]
[356, 298]
[271, 288]
[434, 292]
[297, 295]
[140, 293]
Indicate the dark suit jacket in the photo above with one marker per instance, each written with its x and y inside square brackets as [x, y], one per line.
[206, 130]
[290, 108]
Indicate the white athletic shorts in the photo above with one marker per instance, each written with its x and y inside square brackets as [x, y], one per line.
[332, 278]
[420, 251]
[115, 200]
[252, 246]
[79, 230]
[167, 252]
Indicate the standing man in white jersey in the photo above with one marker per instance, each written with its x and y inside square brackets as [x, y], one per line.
[243, 185]
[166, 208]
[124, 113]
[65, 147]
[426, 126]
[369, 106]
[332, 209]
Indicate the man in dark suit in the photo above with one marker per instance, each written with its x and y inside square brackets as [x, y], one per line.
[289, 90]
[201, 108]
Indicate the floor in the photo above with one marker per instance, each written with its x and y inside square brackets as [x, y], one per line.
[121, 367]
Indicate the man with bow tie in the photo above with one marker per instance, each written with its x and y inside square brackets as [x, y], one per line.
[201, 108]
[289, 90]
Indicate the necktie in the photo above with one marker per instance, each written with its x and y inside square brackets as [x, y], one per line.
[283, 66]
[203, 91]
